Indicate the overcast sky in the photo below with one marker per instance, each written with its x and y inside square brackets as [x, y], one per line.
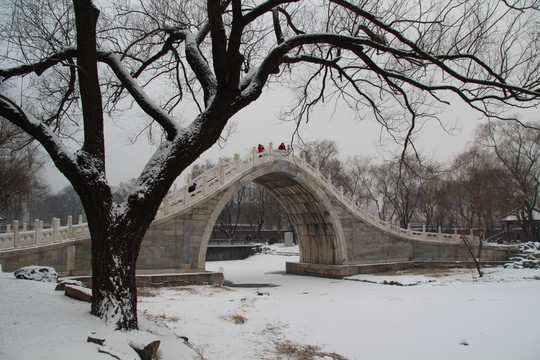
[259, 123]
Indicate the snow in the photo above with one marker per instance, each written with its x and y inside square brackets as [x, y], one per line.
[435, 314]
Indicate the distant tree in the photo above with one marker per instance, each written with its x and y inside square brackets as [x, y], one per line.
[21, 172]
[359, 179]
[478, 191]
[190, 66]
[61, 205]
[401, 186]
[324, 153]
[433, 205]
[518, 150]
[121, 192]
[233, 213]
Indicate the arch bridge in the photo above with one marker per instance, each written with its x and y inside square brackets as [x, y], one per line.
[336, 237]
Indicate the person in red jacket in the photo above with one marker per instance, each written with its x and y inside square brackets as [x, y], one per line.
[260, 148]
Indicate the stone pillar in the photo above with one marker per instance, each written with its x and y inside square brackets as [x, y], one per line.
[221, 172]
[80, 219]
[166, 206]
[37, 232]
[15, 233]
[237, 162]
[205, 184]
[55, 224]
[70, 226]
[289, 239]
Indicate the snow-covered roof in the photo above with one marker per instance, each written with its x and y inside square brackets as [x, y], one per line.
[512, 216]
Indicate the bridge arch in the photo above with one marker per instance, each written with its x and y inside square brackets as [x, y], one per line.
[316, 222]
[337, 238]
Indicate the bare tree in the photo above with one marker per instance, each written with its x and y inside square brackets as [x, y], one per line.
[61, 205]
[478, 190]
[359, 184]
[216, 58]
[324, 153]
[518, 150]
[401, 185]
[21, 172]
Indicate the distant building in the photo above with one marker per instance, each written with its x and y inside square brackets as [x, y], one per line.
[512, 220]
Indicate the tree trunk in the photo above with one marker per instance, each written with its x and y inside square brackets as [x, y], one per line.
[114, 258]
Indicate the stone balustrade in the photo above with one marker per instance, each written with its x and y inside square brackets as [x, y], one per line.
[18, 235]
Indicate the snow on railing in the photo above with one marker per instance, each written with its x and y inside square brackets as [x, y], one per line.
[16, 237]
[205, 184]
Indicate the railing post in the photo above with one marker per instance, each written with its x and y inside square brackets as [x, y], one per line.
[330, 179]
[439, 233]
[455, 234]
[15, 233]
[8, 228]
[254, 155]
[237, 163]
[37, 232]
[166, 207]
[205, 184]
[80, 219]
[409, 230]
[175, 192]
[54, 223]
[221, 172]
[186, 195]
[270, 150]
[303, 158]
[24, 226]
[423, 231]
[317, 170]
[70, 226]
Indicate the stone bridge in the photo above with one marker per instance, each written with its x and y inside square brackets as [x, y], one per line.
[336, 237]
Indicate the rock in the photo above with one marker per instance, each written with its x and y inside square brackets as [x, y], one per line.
[145, 344]
[78, 293]
[38, 273]
[62, 284]
[149, 351]
[96, 340]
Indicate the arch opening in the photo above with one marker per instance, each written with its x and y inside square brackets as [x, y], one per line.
[317, 226]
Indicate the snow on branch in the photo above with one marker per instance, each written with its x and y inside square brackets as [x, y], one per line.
[155, 112]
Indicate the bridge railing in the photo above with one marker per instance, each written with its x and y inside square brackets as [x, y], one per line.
[206, 183]
[17, 236]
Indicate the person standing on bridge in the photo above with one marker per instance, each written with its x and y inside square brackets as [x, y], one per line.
[260, 149]
[282, 147]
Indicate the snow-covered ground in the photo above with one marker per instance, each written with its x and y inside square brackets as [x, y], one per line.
[268, 314]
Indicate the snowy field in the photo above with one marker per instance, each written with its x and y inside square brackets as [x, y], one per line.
[268, 314]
